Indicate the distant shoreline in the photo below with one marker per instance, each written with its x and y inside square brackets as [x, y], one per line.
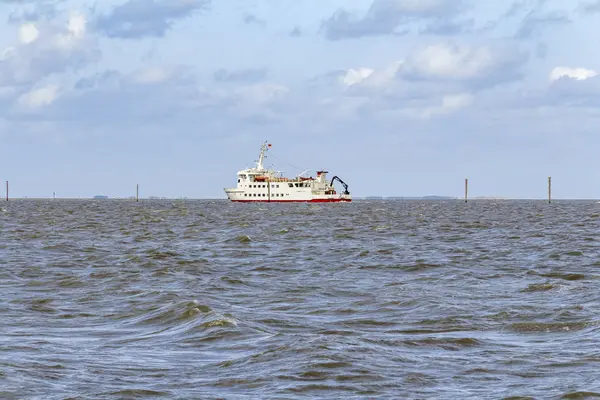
[367, 198]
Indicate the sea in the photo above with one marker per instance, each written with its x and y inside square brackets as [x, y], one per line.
[374, 299]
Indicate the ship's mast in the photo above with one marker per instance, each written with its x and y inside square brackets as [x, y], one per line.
[261, 157]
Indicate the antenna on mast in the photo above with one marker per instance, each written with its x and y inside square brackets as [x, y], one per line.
[265, 146]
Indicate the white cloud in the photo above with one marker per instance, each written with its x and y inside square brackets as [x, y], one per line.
[572, 73]
[151, 75]
[28, 33]
[364, 77]
[436, 106]
[77, 25]
[354, 76]
[454, 62]
[450, 61]
[479, 65]
[262, 93]
[7, 53]
[39, 97]
[456, 101]
[44, 49]
[75, 34]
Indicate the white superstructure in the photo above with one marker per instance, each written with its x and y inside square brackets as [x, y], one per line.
[265, 185]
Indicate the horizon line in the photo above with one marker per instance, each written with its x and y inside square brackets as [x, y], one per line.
[369, 198]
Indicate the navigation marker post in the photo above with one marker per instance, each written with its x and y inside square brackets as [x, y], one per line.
[549, 189]
[466, 189]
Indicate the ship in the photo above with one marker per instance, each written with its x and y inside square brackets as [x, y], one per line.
[263, 185]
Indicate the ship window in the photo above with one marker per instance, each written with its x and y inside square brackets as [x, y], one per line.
[238, 181]
[264, 195]
[291, 184]
[277, 186]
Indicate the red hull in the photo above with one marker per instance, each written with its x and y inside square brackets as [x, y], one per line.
[295, 201]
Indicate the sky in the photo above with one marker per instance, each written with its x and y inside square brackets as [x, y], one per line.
[396, 97]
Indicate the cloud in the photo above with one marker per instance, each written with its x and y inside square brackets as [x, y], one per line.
[448, 27]
[45, 49]
[431, 81]
[568, 88]
[575, 91]
[447, 104]
[296, 32]
[591, 7]
[385, 17]
[113, 98]
[252, 19]
[32, 11]
[155, 75]
[572, 73]
[483, 65]
[354, 76]
[370, 93]
[39, 97]
[150, 96]
[241, 75]
[573, 87]
[28, 33]
[535, 22]
[137, 19]
[260, 95]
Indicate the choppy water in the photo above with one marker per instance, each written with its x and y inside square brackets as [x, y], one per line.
[374, 299]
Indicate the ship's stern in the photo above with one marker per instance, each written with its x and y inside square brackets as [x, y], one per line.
[346, 198]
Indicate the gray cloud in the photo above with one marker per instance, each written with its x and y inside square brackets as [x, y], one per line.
[111, 98]
[250, 75]
[575, 93]
[593, 7]
[137, 19]
[252, 19]
[296, 32]
[112, 101]
[33, 11]
[448, 27]
[533, 23]
[385, 17]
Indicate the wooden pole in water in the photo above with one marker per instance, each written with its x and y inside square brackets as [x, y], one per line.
[549, 189]
[6, 190]
[268, 191]
[137, 192]
[466, 190]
